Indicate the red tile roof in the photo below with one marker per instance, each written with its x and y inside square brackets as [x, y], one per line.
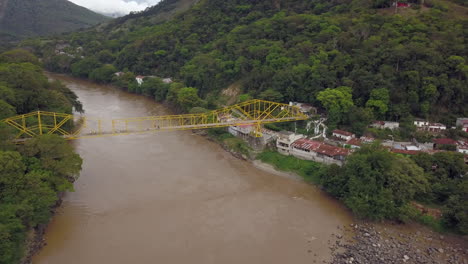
[399, 4]
[444, 141]
[304, 143]
[320, 147]
[354, 142]
[332, 151]
[342, 132]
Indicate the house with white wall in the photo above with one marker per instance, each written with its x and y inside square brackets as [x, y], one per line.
[421, 122]
[462, 147]
[285, 140]
[435, 127]
[139, 79]
[342, 135]
[385, 124]
[462, 123]
[167, 80]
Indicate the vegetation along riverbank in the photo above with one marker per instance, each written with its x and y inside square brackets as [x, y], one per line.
[33, 175]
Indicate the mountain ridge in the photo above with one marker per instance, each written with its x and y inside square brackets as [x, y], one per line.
[28, 18]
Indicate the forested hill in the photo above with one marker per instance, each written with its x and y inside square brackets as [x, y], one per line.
[164, 10]
[409, 64]
[26, 18]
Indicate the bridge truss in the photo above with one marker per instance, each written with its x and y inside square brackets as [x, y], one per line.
[253, 112]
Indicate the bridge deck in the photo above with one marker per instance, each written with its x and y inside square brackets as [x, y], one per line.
[253, 112]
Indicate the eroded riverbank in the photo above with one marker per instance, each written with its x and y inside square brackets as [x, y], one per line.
[176, 197]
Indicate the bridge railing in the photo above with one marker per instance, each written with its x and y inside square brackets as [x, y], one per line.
[255, 112]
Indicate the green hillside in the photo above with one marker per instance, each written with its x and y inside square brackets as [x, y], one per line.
[26, 18]
[395, 66]
[161, 12]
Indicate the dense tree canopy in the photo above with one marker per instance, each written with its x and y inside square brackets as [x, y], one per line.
[413, 63]
[31, 175]
[375, 183]
[447, 174]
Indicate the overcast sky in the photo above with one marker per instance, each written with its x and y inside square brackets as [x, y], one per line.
[115, 6]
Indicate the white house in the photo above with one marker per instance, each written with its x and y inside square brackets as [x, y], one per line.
[462, 123]
[139, 79]
[427, 126]
[365, 139]
[118, 74]
[421, 123]
[435, 127]
[462, 147]
[385, 124]
[167, 80]
[343, 135]
[284, 141]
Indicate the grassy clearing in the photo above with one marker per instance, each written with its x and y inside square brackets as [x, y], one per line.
[435, 224]
[234, 144]
[308, 170]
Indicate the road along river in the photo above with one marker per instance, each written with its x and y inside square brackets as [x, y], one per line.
[175, 197]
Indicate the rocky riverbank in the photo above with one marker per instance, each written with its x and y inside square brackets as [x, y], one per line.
[386, 244]
[372, 243]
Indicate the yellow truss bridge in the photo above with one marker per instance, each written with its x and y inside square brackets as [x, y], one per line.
[253, 112]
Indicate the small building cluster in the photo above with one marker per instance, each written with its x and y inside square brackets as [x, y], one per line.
[342, 135]
[423, 125]
[430, 127]
[300, 147]
[341, 144]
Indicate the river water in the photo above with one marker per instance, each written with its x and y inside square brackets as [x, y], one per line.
[175, 197]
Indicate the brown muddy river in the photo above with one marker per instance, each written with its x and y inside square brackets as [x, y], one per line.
[175, 197]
